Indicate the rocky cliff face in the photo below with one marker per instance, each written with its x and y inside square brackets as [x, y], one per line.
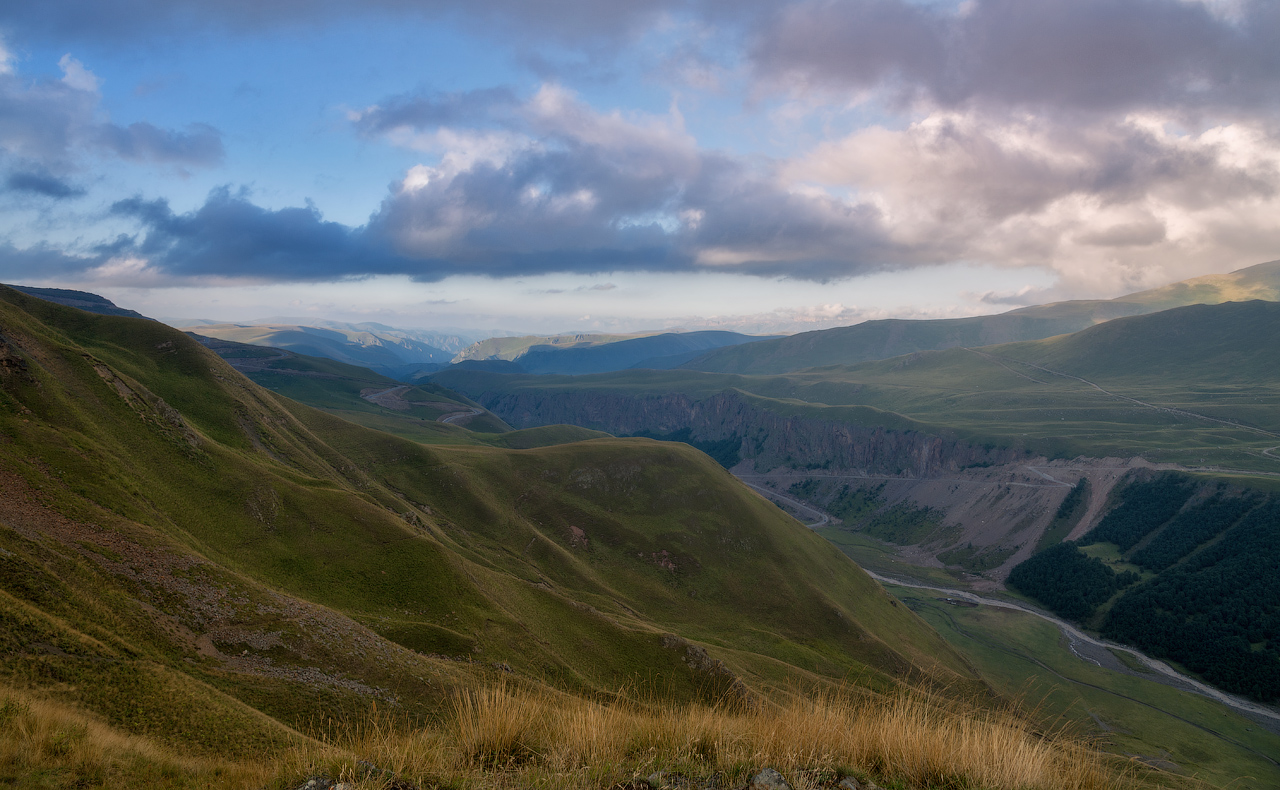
[768, 439]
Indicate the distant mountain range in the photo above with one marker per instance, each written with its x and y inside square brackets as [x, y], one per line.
[407, 355]
[873, 340]
[388, 352]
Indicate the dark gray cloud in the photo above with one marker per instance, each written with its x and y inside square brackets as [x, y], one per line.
[43, 184]
[40, 263]
[128, 20]
[231, 237]
[1087, 54]
[582, 207]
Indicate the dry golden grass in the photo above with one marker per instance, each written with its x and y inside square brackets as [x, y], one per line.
[49, 745]
[501, 736]
[504, 736]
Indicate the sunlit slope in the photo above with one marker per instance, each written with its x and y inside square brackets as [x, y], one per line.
[890, 338]
[304, 529]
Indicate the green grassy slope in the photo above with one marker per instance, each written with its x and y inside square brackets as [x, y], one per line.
[174, 535]
[890, 338]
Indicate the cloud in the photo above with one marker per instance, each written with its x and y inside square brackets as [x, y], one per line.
[229, 237]
[200, 144]
[579, 190]
[77, 77]
[1093, 55]
[38, 183]
[483, 107]
[48, 126]
[129, 20]
[1120, 203]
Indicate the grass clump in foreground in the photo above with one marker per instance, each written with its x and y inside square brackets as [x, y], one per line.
[505, 737]
[44, 744]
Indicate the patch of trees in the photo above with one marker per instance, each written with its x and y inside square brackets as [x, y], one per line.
[1190, 528]
[1068, 581]
[1144, 506]
[1218, 613]
[864, 509]
[1069, 513]
[904, 524]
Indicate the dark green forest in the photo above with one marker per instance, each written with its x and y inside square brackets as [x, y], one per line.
[1190, 528]
[1218, 614]
[1143, 507]
[1067, 581]
[1214, 604]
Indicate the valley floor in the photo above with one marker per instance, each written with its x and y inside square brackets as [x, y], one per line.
[1133, 704]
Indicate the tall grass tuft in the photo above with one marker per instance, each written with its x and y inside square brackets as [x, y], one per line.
[501, 735]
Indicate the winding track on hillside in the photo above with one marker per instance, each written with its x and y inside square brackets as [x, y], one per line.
[458, 415]
[386, 398]
[823, 518]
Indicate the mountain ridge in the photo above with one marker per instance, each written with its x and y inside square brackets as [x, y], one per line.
[883, 339]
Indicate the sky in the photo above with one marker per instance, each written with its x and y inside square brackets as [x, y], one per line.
[572, 165]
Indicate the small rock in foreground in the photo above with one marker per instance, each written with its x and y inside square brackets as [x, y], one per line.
[768, 779]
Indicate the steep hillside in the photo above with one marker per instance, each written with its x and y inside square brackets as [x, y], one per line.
[193, 559]
[1186, 570]
[875, 340]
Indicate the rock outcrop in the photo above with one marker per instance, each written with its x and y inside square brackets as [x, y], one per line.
[767, 438]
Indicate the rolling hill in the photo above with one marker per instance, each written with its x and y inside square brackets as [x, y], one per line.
[192, 560]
